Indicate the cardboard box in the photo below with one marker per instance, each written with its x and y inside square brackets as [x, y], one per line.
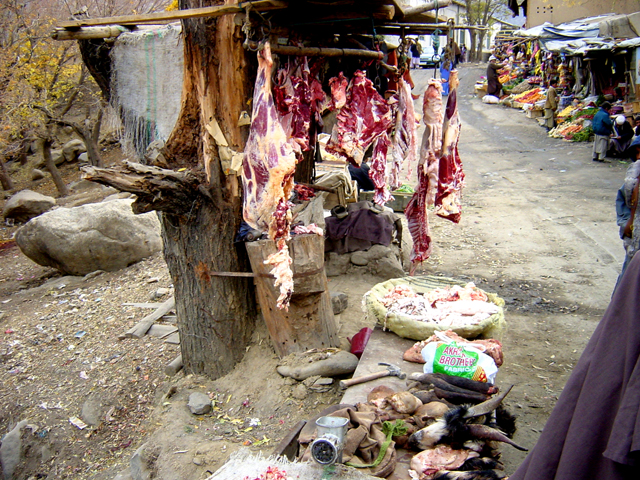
[398, 204]
[534, 113]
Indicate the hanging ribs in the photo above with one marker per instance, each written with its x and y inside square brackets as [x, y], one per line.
[267, 176]
[338, 87]
[431, 148]
[378, 170]
[404, 144]
[450, 176]
[364, 117]
[416, 210]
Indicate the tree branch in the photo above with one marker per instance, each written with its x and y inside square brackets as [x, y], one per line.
[156, 188]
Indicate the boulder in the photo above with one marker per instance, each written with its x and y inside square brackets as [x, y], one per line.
[26, 204]
[199, 403]
[56, 155]
[339, 302]
[98, 236]
[11, 450]
[336, 264]
[36, 174]
[72, 149]
[83, 158]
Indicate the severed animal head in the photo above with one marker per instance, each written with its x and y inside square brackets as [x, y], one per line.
[457, 427]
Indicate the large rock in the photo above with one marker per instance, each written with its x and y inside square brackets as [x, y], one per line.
[26, 204]
[98, 236]
[72, 149]
[11, 450]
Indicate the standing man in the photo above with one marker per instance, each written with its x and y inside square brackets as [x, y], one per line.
[602, 129]
[415, 54]
[494, 87]
[551, 105]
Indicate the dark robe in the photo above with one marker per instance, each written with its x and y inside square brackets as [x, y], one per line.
[494, 87]
[593, 432]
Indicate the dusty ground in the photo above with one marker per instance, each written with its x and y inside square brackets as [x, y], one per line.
[538, 228]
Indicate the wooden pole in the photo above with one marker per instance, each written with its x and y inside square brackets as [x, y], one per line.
[216, 11]
[88, 33]
[426, 7]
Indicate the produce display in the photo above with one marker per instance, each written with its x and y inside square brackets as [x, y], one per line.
[577, 126]
[530, 96]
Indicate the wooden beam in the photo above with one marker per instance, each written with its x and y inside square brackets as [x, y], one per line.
[426, 7]
[321, 51]
[88, 33]
[259, 5]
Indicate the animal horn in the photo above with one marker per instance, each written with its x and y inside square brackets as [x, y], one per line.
[487, 406]
[488, 433]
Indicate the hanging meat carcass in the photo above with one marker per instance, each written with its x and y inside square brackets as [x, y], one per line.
[378, 170]
[404, 143]
[298, 97]
[450, 175]
[267, 176]
[416, 210]
[338, 87]
[364, 117]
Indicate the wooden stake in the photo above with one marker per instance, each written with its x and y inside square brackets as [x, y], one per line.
[144, 325]
[88, 33]
[174, 367]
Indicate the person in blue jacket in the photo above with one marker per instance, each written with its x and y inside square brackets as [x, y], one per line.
[602, 126]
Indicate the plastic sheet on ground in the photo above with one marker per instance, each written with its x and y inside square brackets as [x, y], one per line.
[408, 327]
[245, 464]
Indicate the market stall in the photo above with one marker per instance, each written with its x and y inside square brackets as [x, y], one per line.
[589, 60]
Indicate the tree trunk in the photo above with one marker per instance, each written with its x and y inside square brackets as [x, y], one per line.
[216, 314]
[5, 179]
[51, 166]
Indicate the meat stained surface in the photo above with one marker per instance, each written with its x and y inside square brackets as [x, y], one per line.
[404, 143]
[450, 176]
[267, 176]
[416, 210]
[364, 117]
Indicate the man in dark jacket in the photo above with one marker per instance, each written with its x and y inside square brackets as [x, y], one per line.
[602, 129]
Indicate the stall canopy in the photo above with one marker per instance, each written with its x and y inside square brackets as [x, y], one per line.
[604, 32]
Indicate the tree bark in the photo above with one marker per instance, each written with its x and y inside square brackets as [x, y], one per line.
[5, 179]
[216, 315]
[51, 166]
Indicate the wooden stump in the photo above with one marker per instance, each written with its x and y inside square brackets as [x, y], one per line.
[309, 323]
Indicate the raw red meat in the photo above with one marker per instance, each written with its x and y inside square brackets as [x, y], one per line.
[404, 142]
[418, 222]
[416, 210]
[450, 176]
[338, 87]
[293, 96]
[378, 170]
[365, 116]
[432, 139]
[267, 176]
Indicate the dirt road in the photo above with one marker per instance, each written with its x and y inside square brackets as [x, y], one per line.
[538, 228]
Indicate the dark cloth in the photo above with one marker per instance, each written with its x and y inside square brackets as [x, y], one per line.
[494, 87]
[593, 432]
[602, 123]
[361, 176]
[357, 231]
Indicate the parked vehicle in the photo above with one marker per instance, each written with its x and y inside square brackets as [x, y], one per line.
[429, 58]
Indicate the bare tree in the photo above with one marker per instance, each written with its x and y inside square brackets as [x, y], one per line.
[482, 13]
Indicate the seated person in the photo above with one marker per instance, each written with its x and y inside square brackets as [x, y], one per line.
[361, 176]
[621, 138]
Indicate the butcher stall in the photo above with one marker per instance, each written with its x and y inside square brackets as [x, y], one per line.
[308, 85]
